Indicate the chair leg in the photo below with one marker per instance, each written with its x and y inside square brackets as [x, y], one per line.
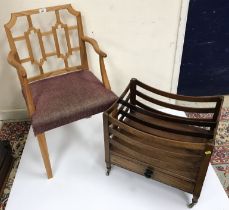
[45, 154]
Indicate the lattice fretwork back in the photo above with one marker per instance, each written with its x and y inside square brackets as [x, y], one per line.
[47, 40]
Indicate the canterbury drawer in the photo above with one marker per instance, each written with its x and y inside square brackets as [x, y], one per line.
[152, 172]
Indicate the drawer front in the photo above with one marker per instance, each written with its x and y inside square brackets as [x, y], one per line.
[151, 172]
[157, 158]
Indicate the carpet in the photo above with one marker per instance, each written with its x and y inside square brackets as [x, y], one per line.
[16, 133]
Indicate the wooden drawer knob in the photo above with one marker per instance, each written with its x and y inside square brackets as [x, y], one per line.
[148, 173]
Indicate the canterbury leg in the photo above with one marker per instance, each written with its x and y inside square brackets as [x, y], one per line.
[45, 154]
[194, 201]
[106, 143]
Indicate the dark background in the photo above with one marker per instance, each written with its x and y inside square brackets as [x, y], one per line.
[205, 61]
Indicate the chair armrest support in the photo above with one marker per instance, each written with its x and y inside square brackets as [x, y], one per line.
[94, 44]
[104, 73]
[102, 55]
[13, 59]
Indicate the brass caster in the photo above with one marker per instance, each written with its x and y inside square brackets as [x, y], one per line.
[191, 205]
[108, 171]
[194, 202]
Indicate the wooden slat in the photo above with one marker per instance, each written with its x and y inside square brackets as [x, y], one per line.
[181, 131]
[29, 21]
[122, 106]
[83, 54]
[29, 46]
[37, 11]
[51, 54]
[162, 145]
[19, 38]
[68, 40]
[164, 134]
[47, 33]
[41, 44]
[158, 139]
[66, 63]
[24, 60]
[155, 163]
[178, 97]
[15, 15]
[56, 41]
[76, 49]
[146, 146]
[58, 20]
[173, 125]
[176, 107]
[54, 73]
[145, 107]
[41, 69]
[72, 27]
[171, 118]
[219, 105]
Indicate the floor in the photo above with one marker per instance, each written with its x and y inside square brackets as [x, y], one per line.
[220, 159]
[77, 156]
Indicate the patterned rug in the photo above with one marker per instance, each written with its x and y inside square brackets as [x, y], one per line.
[16, 133]
[220, 158]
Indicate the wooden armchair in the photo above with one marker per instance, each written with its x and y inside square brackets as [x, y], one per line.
[56, 97]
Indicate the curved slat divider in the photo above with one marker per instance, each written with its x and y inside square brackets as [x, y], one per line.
[204, 134]
[167, 117]
[173, 106]
[156, 139]
[151, 147]
[178, 97]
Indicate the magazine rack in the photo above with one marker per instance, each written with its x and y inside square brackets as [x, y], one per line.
[171, 149]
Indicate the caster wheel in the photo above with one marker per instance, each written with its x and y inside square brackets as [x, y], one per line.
[108, 171]
[192, 204]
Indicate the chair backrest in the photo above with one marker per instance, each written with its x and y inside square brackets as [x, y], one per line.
[48, 40]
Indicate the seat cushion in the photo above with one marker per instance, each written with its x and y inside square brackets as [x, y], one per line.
[67, 98]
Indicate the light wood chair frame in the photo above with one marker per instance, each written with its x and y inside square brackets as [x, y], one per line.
[16, 61]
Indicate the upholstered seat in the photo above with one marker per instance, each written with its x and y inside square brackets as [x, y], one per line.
[70, 97]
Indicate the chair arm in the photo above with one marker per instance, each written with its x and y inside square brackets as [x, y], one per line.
[94, 44]
[13, 59]
[101, 61]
